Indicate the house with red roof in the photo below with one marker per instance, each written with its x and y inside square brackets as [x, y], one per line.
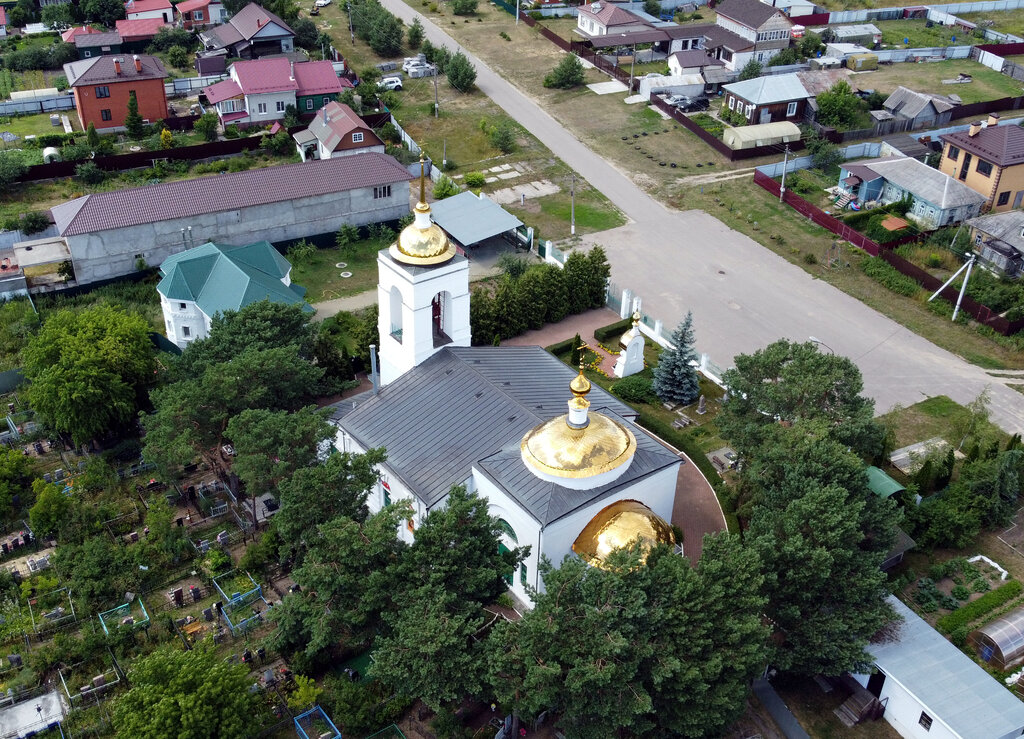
[136, 34]
[102, 85]
[259, 91]
[3, 22]
[68, 36]
[139, 9]
[198, 14]
[336, 131]
[250, 33]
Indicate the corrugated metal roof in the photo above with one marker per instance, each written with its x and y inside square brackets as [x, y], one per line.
[881, 484]
[333, 123]
[221, 91]
[610, 15]
[471, 406]
[951, 687]
[750, 13]
[189, 198]
[911, 103]
[716, 36]
[1001, 145]
[251, 19]
[97, 38]
[317, 78]
[470, 219]
[925, 183]
[767, 90]
[218, 277]
[100, 70]
[1007, 227]
[140, 28]
[144, 6]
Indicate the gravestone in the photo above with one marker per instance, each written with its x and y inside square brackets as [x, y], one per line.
[196, 594]
[178, 596]
[58, 474]
[631, 359]
[702, 406]
[14, 659]
[208, 614]
[223, 539]
[47, 477]
[134, 536]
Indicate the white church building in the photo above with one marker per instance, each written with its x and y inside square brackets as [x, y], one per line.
[562, 464]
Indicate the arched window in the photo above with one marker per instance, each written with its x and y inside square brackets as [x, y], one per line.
[507, 530]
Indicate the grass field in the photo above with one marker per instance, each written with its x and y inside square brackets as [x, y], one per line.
[894, 33]
[323, 280]
[1007, 21]
[36, 125]
[927, 77]
[938, 416]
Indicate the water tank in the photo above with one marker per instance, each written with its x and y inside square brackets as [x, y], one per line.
[51, 154]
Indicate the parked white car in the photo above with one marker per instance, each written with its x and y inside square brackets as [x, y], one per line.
[414, 61]
[322, 3]
[390, 83]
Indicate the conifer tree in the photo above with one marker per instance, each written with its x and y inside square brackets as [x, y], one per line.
[675, 377]
[133, 120]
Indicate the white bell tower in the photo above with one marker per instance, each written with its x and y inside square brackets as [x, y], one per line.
[423, 294]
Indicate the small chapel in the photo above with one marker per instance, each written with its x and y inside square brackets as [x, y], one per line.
[562, 464]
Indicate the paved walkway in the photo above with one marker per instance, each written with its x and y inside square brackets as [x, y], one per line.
[742, 295]
[782, 715]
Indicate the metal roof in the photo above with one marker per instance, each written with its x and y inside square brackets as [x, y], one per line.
[750, 13]
[97, 38]
[911, 103]
[881, 484]
[1007, 227]
[1007, 634]
[470, 219]
[188, 198]
[767, 90]
[251, 19]
[610, 15]
[1001, 145]
[950, 686]
[218, 277]
[333, 124]
[101, 70]
[924, 182]
[139, 28]
[471, 406]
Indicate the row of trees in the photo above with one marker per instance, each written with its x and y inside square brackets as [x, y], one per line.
[528, 297]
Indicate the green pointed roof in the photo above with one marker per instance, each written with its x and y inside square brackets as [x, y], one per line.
[220, 277]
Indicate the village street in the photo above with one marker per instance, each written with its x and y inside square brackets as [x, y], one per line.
[742, 295]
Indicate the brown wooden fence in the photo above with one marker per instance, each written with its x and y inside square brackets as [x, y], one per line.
[981, 313]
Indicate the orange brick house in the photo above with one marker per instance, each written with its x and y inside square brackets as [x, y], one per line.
[102, 84]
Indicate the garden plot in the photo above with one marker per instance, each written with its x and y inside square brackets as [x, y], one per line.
[951, 584]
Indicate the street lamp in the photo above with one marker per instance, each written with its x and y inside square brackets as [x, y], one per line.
[815, 340]
[572, 206]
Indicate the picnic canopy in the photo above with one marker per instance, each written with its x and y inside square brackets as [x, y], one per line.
[469, 219]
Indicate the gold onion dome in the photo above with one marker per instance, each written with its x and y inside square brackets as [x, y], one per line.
[578, 445]
[632, 332]
[619, 525]
[422, 242]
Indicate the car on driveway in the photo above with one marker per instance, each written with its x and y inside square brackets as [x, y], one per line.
[390, 83]
[691, 105]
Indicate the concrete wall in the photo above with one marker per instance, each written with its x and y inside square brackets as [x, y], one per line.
[104, 254]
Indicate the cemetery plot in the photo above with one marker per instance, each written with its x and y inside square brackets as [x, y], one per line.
[243, 606]
[85, 682]
[51, 609]
[316, 724]
[128, 615]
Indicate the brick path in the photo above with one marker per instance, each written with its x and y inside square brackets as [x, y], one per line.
[696, 510]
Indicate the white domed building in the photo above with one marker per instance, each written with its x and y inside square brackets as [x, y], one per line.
[562, 464]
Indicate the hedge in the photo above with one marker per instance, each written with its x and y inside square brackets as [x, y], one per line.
[974, 610]
[613, 329]
[561, 347]
[891, 278]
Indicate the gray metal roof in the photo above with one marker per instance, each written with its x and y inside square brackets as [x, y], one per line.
[470, 219]
[952, 688]
[767, 90]
[1007, 227]
[469, 406]
[911, 103]
[925, 182]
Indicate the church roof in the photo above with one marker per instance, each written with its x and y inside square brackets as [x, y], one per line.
[471, 406]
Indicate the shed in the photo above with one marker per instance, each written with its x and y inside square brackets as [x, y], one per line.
[881, 484]
[1001, 643]
[765, 134]
[470, 219]
[862, 62]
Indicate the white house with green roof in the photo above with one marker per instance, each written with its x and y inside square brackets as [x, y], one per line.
[200, 283]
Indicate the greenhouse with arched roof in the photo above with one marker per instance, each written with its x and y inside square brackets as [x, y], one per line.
[1001, 643]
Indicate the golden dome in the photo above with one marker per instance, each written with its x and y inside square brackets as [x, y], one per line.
[556, 448]
[619, 525]
[422, 242]
[632, 332]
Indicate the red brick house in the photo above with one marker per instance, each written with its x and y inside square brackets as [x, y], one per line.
[101, 86]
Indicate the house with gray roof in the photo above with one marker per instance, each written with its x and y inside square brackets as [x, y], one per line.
[250, 33]
[107, 233]
[214, 278]
[936, 199]
[931, 689]
[998, 239]
[768, 99]
[923, 109]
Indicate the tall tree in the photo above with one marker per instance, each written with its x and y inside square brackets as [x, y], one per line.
[14, 476]
[194, 693]
[461, 73]
[839, 106]
[815, 523]
[675, 377]
[597, 276]
[271, 445]
[88, 368]
[106, 12]
[133, 122]
[654, 649]
[788, 382]
[313, 495]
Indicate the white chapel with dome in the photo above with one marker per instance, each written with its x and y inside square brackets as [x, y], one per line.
[562, 464]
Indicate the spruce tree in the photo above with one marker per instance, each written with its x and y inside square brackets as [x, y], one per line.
[675, 377]
[133, 120]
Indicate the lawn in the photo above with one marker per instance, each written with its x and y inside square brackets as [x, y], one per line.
[927, 76]
[1007, 21]
[36, 125]
[322, 278]
[937, 416]
[894, 33]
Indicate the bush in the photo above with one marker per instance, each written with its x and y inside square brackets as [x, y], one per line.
[206, 126]
[280, 143]
[179, 57]
[445, 187]
[88, 173]
[880, 270]
[634, 389]
[561, 347]
[231, 132]
[960, 592]
[503, 137]
[567, 74]
[962, 617]
[475, 179]
[34, 221]
[464, 7]
[346, 236]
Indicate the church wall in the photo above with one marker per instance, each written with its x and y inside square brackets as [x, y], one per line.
[656, 491]
[527, 529]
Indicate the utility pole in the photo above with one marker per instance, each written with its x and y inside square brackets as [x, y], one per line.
[632, 62]
[785, 163]
[444, 154]
[517, 12]
[572, 207]
[351, 31]
[435, 93]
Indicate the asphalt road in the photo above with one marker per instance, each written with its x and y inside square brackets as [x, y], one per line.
[742, 295]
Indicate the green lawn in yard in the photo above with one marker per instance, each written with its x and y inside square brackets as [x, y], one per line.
[323, 280]
[38, 125]
[893, 33]
[1007, 21]
[937, 416]
[987, 84]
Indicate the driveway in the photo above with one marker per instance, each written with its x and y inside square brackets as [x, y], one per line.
[742, 296]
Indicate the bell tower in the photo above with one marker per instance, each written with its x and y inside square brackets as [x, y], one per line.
[422, 292]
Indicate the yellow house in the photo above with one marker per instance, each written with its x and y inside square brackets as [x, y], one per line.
[989, 159]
